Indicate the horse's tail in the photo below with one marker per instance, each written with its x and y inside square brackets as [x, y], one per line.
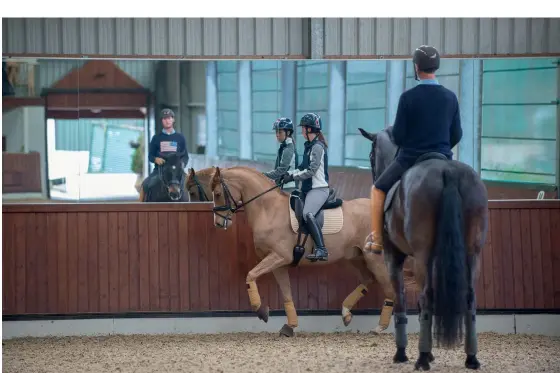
[449, 263]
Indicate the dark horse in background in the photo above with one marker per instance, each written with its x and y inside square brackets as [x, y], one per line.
[168, 185]
[438, 214]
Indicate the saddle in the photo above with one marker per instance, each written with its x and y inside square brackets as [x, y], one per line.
[394, 188]
[329, 217]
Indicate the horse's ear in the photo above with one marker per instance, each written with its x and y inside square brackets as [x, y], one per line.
[368, 135]
[215, 178]
[191, 172]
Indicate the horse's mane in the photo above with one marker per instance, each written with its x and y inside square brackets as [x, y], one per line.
[251, 170]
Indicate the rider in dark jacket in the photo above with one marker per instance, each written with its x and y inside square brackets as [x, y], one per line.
[168, 140]
[427, 120]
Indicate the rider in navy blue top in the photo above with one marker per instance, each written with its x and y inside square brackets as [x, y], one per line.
[166, 141]
[428, 120]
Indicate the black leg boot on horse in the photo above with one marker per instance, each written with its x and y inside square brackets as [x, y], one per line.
[320, 252]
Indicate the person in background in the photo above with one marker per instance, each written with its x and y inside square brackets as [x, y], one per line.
[287, 157]
[167, 141]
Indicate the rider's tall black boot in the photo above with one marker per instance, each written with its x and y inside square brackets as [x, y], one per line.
[320, 252]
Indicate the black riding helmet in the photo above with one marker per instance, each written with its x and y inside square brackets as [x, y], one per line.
[313, 121]
[427, 58]
[283, 124]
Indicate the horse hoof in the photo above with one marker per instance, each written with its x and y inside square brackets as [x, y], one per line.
[262, 313]
[378, 329]
[400, 356]
[287, 331]
[423, 362]
[347, 319]
[472, 362]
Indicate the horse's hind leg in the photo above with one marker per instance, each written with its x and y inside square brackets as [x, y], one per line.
[283, 279]
[372, 265]
[471, 343]
[365, 277]
[425, 305]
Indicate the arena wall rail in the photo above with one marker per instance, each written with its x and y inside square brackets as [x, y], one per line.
[83, 260]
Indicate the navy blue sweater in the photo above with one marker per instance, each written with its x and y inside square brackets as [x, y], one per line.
[427, 120]
[164, 143]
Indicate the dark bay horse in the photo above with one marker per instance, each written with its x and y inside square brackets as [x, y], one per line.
[169, 184]
[438, 214]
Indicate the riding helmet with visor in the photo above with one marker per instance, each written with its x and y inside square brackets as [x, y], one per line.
[313, 121]
[283, 124]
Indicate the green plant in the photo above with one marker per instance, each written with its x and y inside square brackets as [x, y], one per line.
[137, 165]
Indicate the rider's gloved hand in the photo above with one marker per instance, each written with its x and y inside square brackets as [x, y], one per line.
[286, 178]
[160, 161]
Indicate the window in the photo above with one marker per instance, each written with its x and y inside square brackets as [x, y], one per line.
[366, 86]
[519, 120]
[312, 95]
[228, 112]
[266, 95]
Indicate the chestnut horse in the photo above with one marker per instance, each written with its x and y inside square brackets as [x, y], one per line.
[268, 214]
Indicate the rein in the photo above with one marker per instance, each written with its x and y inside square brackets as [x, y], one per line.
[229, 200]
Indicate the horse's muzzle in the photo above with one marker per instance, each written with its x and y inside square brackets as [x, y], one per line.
[174, 192]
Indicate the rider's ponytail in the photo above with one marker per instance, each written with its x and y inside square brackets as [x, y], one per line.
[322, 139]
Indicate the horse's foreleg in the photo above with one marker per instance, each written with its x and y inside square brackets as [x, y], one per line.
[396, 261]
[271, 262]
[283, 279]
[471, 343]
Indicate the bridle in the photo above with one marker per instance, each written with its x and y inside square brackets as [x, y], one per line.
[231, 206]
[167, 184]
[201, 192]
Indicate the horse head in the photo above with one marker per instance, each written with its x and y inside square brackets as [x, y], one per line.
[198, 185]
[237, 187]
[383, 149]
[172, 174]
